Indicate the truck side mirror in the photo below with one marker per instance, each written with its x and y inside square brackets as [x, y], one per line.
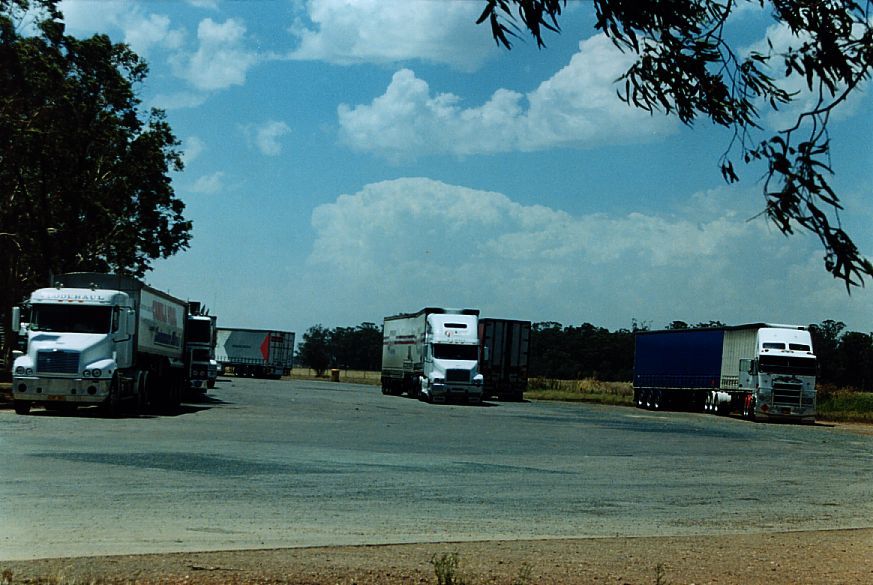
[753, 367]
[486, 353]
[16, 319]
[126, 324]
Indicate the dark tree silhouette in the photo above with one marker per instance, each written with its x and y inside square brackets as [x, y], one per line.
[84, 173]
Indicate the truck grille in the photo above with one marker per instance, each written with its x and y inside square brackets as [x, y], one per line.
[57, 362]
[458, 376]
[786, 395]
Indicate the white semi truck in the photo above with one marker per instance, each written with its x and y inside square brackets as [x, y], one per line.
[100, 339]
[758, 370]
[259, 353]
[433, 355]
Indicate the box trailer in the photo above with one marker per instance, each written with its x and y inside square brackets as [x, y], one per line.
[432, 354]
[504, 347]
[259, 353]
[759, 370]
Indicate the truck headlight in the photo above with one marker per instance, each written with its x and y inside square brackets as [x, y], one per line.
[96, 372]
[19, 370]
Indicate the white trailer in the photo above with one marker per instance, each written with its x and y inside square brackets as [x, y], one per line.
[432, 354]
[260, 353]
[100, 339]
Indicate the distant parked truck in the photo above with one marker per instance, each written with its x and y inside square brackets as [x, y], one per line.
[432, 355]
[100, 339]
[504, 346]
[259, 353]
[200, 347]
[758, 370]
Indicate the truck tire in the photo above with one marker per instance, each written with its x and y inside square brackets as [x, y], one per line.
[22, 406]
[143, 392]
[112, 406]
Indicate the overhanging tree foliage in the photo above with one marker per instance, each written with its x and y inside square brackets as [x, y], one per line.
[84, 172]
[686, 66]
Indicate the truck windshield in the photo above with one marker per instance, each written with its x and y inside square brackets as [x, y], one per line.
[71, 318]
[798, 366]
[199, 331]
[450, 351]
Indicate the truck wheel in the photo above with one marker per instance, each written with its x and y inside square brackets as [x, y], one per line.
[112, 406]
[142, 391]
[22, 406]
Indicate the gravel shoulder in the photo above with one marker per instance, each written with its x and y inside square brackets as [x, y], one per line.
[819, 557]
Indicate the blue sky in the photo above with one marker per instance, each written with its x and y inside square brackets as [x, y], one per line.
[347, 160]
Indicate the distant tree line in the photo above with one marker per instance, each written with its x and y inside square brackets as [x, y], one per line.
[845, 357]
[347, 348]
[587, 351]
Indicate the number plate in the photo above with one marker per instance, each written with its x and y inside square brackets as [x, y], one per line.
[55, 397]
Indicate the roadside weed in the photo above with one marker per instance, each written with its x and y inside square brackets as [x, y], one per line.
[446, 567]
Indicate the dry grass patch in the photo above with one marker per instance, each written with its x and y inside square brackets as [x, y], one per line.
[586, 390]
[348, 376]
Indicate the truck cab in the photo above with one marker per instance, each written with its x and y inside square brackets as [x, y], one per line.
[781, 377]
[76, 341]
[451, 358]
[199, 348]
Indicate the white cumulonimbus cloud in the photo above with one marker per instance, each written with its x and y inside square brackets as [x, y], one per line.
[403, 244]
[390, 31]
[267, 136]
[221, 59]
[576, 108]
[143, 31]
[192, 148]
[209, 184]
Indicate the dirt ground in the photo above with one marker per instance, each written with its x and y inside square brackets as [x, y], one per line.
[827, 557]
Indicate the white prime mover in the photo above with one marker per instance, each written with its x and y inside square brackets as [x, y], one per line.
[759, 370]
[261, 353]
[99, 339]
[433, 355]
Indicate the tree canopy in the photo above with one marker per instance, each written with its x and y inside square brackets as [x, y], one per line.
[84, 170]
[315, 349]
[349, 348]
[687, 66]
